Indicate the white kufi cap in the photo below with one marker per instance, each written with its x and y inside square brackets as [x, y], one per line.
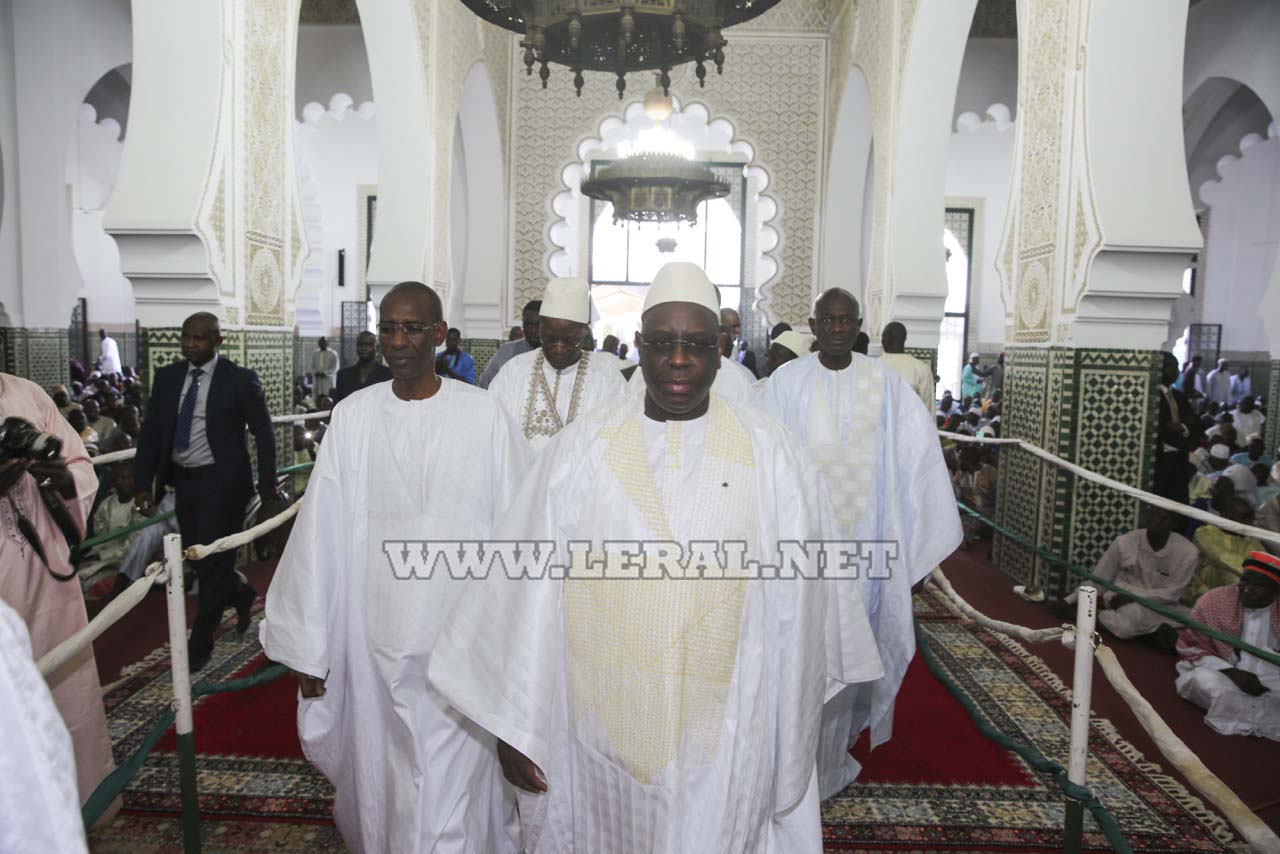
[566, 299]
[796, 342]
[680, 281]
[1220, 452]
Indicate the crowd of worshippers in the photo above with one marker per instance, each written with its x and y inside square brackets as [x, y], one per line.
[1210, 455]
[104, 408]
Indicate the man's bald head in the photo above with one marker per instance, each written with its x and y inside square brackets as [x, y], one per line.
[841, 298]
[418, 291]
[894, 337]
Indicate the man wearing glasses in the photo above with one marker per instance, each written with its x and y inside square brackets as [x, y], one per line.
[357, 601]
[545, 389]
[661, 707]
[878, 451]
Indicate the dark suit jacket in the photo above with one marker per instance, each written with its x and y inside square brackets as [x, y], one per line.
[235, 402]
[749, 362]
[348, 381]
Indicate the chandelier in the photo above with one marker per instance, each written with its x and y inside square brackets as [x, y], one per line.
[620, 35]
[656, 179]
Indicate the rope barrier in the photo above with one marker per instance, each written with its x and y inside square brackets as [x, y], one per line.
[1262, 534]
[1082, 794]
[1259, 836]
[1168, 613]
[128, 599]
[128, 453]
[235, 541]
[1175, 751]
[1012, 629]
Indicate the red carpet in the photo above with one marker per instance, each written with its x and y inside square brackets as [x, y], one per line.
[938, 785]
[936, 742]
[259, 721]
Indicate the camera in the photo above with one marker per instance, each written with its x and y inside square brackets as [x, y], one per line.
[22, 440]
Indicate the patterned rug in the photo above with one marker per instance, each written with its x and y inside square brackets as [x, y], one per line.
[969, 797]
[1026, 701]
[237, 776]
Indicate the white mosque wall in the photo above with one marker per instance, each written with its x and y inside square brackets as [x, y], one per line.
[93, 160]
[53, 52]
[478, 212]
[337, 153]
[331, 58]
[1235, 39]
[849, 173]
[979, 168]
[10, 279]
[1242, 256]
[988, 75]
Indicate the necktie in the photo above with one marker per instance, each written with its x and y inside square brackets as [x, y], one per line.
[187, 412]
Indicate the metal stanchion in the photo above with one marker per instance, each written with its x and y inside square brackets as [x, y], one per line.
[183, 724]
[1081, 690]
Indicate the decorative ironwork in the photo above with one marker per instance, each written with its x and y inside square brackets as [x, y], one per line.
[1204, 340]
[620, 36]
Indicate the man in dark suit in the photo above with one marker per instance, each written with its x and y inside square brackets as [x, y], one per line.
[193, 439]
[365, 372]
[739, 351]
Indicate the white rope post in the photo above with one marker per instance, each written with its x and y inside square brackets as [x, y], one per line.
[1081, 693]
[183, 722]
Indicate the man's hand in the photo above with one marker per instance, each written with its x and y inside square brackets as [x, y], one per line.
[520, 770]
[1246, 681]
[1118, 601]
[142, 500]
[11, 472]
[53, 474]
[310, 686]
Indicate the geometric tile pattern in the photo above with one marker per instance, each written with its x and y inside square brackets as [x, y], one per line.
[481, 350]
[40, 355]
[1096, 408]
[269, 353]
[303, 347]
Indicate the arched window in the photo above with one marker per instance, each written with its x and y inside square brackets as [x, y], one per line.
[630, 253]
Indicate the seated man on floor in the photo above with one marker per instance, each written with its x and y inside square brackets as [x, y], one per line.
[1221, 552]
[1152, 562]
[1215, 464]
[1254, 453]
[1238, 690]
[116, 511]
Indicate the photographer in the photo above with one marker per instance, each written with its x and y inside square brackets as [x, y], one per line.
[38, 498]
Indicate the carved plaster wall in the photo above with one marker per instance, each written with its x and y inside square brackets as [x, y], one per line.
[773, 92]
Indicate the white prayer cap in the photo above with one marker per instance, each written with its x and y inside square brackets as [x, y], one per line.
[973, 356]
[681, 281]
[1220, 452]
[1253, 436]
[796, 342]
[566, 299]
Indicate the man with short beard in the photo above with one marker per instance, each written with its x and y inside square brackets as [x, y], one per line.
[546, 389]
[409, 773]
[878, 451]
[662, 714]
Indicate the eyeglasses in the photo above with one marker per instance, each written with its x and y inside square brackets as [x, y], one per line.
[388, 328]
[667, 346]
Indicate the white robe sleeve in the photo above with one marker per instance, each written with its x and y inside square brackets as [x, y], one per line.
[300, 601]
[505, 679]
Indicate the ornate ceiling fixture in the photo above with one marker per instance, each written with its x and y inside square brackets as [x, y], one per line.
[620, 35]
[656, 179]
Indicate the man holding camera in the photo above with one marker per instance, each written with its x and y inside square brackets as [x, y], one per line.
[193, 439]
[46, 487]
